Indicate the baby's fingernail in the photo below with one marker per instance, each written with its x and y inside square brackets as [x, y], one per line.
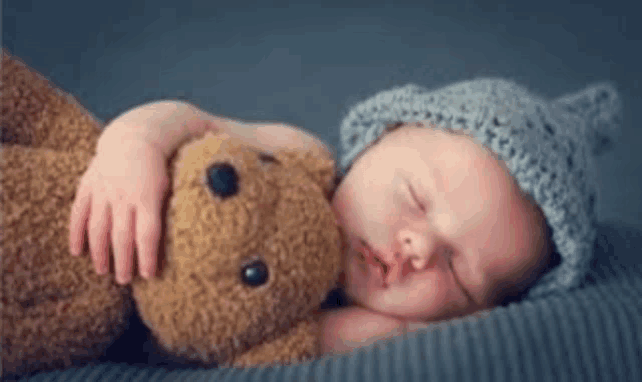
[145, 274]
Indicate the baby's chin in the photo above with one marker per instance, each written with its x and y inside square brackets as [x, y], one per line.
[429, 295]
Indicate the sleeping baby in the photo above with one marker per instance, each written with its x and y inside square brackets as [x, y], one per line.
[454, 201]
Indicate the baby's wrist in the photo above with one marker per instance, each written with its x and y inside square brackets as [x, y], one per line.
[114, 138]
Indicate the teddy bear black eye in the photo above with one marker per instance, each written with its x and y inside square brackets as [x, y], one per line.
[222, 179]
[267, 158]
[255, 273]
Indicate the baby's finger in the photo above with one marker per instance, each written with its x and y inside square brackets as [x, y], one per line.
[122, 237]
[80, 211]
[99, 227]
[148, 230]
[123, 269]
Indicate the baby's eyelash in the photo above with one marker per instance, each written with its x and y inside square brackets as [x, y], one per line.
[421, 206]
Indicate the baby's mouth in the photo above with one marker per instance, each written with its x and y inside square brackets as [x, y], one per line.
[377, 274]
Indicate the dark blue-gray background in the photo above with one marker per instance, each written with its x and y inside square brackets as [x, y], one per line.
[305, 64]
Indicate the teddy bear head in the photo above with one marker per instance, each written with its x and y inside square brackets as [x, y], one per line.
[251, 247]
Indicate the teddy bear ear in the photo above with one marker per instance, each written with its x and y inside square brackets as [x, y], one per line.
[318, 165]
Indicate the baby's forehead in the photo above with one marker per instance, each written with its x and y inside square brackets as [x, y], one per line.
[407, 135]
[442, 149]
[343, 174]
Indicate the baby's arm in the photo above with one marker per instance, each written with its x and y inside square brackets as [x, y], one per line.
[167, 124]
[346, 329]
[127, 180]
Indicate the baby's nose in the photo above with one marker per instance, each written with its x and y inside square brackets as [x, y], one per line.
[413, 248]
[414, 255]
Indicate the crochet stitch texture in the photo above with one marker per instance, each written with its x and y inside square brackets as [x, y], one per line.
[547, 145]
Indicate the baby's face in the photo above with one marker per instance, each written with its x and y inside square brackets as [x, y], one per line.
[438, 228]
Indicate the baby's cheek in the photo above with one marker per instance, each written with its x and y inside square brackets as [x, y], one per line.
[475, 277]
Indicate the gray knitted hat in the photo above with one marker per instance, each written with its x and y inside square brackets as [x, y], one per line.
[547, 145]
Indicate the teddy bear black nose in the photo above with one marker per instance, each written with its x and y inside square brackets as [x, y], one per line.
[222, 179]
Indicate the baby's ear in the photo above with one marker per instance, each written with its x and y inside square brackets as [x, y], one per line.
[318, 164]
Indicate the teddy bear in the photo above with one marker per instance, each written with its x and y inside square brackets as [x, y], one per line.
[249, 251]
[56, 312]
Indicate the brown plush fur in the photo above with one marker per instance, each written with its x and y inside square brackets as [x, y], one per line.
[37, 114]
[281, 216]
[55, 309]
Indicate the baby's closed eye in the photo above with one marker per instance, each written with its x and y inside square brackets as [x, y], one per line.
[418, 202]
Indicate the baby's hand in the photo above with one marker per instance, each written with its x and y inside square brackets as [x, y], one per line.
[121, 194]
